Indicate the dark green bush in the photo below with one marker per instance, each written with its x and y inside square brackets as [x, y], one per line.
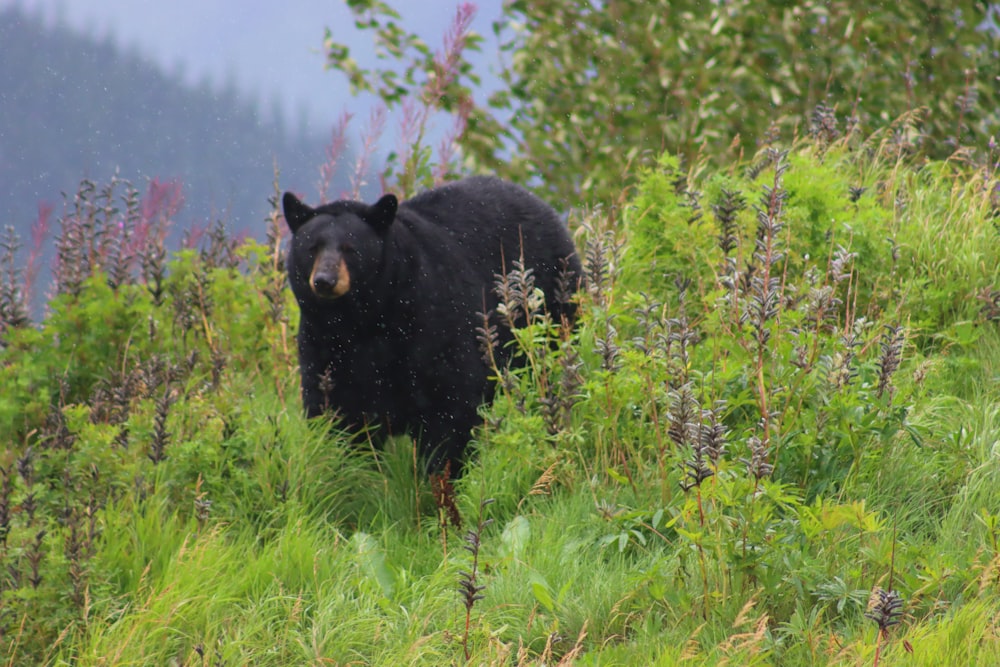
[593, 90]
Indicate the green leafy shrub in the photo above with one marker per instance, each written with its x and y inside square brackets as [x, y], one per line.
[591, 92]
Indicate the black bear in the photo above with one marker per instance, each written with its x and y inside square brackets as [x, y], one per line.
[389, 296]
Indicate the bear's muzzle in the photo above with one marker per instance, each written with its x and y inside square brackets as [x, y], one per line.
[328, 281]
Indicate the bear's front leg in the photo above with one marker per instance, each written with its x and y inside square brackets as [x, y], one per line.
[315, 368]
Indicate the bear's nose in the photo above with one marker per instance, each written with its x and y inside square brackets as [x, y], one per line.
[324, 284]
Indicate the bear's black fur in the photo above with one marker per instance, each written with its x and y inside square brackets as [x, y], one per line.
[389, 295]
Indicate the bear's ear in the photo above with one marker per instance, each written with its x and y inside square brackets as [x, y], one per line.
[296, 213]
[382, 213]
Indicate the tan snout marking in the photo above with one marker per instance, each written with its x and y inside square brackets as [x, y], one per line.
[343, 280]
[342, 286]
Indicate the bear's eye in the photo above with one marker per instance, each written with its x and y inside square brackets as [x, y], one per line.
[346, 247]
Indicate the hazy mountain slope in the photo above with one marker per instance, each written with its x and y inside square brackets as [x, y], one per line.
[74, 107]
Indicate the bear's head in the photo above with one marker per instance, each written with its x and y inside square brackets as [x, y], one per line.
[335, 247]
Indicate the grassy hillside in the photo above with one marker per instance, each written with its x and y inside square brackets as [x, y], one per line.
[772, 439]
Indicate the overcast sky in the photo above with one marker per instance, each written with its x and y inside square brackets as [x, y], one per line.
[272, 50]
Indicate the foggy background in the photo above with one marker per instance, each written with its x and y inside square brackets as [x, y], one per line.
[206, 93]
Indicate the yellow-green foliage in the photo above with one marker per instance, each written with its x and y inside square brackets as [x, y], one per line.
[922, 238]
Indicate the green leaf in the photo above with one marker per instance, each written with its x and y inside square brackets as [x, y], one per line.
[540, 589]
[515, 536]
[372, 560]
[617, 476]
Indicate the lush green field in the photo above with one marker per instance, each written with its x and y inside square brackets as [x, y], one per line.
[771, 439]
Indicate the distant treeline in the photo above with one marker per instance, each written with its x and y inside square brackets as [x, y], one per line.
[74, 107]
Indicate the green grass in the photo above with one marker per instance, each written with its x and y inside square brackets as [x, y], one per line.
[256, 537]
